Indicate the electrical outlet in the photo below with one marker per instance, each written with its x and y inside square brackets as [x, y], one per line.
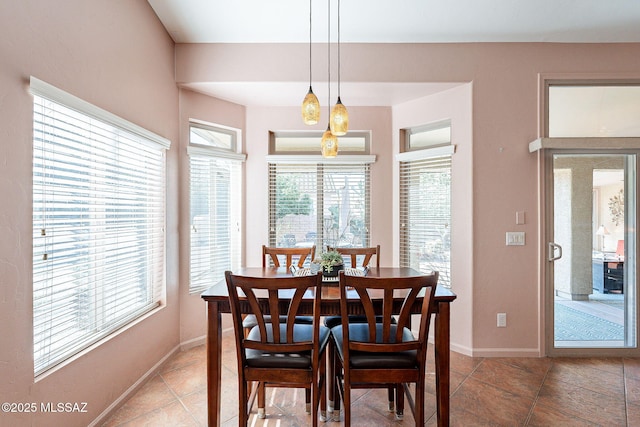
[502, 320]
[515, 238]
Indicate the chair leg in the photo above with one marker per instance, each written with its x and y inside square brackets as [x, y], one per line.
[419, 403]
[346, 399]
[391, 398]
[307, 400]
[261, 400]
[400, 402]
[337, 390]
[243, 410]
[322, 381]
[330, 374]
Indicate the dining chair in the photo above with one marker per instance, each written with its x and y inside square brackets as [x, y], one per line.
[358, 257]
[365, 254]
[300, 253]
[274, 254]
[278, 354]
[380, 353]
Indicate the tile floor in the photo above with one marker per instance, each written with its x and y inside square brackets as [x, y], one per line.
[484, 392]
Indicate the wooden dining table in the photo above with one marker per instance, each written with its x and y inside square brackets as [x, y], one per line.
[217, 300]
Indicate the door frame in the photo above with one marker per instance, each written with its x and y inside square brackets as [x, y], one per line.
[546, 148]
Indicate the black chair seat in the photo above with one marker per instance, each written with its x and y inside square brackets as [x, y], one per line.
[361, 360]
[250, 320]
[301, 333]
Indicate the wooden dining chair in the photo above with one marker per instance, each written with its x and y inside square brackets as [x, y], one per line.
[365, 255]
[381, 353]
[358, 257]
[289, 254]
[298, 254]
[278, 354]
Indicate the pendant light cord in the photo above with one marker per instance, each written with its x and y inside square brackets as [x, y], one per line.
[329, 58]
[338, 49]
[310, 43]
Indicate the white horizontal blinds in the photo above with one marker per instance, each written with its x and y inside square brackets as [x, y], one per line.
[293, 205]
[215, 192]
[346, 205]
[425, 216]
[321, 204]
[98, 229]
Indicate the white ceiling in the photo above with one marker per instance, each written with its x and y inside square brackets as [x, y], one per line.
[386, 21]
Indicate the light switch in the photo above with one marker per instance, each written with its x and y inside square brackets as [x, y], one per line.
[515, 238]
[520, 218]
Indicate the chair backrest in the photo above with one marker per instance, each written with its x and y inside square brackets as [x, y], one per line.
[365, 253]
[377, 298]
[289, 253]
[274, 297]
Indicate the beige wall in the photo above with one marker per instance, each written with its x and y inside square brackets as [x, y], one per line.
[116, 55]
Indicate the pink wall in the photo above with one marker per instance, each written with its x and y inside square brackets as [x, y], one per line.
[500, 178]
[116, 55]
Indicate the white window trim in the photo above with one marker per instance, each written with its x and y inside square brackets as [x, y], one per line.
[317, 159]
[445, 150]
[45, 90]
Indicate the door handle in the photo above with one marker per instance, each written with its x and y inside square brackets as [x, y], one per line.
[552, 252]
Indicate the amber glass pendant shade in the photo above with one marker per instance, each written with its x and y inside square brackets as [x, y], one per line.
[310, 108]
[329, 144]
[339, 120]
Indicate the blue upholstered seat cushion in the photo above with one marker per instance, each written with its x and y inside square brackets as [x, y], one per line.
[359, 359]
[250, 320]
[301, 333]
[333, 321]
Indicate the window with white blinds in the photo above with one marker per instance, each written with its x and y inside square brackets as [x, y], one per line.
[215, 200]
[425, 215]
[321, 204]
[98, 224]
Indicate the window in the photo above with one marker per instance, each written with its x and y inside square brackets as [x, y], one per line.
[319, 203]
[425, 205]
[215, 204]
[98, 224]
[308, 142]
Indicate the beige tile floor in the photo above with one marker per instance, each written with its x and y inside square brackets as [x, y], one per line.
[484, 392]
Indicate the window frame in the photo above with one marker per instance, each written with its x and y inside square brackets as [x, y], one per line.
[234, 160]
[407, 159]
[66, 124]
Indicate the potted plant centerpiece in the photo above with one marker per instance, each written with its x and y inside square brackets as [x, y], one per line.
[332, 263]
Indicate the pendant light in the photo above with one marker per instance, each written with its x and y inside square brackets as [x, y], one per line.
[310, 104]
[329, 142]
[339, 118]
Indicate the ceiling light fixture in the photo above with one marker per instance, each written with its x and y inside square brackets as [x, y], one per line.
[310, 104]
[339, 118]
[329, 142]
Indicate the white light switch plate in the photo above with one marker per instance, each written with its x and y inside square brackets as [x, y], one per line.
[515, 238]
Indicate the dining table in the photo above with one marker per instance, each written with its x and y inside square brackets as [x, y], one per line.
[217, 300]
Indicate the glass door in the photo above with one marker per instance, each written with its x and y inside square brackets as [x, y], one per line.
[591, 250]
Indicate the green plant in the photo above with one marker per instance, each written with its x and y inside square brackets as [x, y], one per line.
[329, 259]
